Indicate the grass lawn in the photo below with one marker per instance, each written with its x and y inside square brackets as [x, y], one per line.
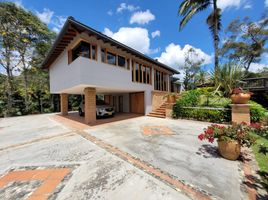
[262, 159]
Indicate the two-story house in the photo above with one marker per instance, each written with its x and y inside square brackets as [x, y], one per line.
[85, 61]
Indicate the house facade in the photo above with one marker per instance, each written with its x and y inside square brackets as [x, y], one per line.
[85, 61]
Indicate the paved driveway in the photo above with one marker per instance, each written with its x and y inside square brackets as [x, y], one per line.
[178, 152]
[41, 158]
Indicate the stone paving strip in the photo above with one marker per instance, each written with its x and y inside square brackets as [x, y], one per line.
[35, 140]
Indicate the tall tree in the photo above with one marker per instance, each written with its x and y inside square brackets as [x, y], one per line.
[22, 35]
[188, 8]
[8, 56]
[191, 67]
[246, 41]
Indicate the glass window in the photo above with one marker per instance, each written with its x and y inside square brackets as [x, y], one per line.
[137, 72]
[133, 72]
[94, 52]
[140, 74]
[148, 75]
[82, 49]
[121, 61]
[111, 58]
[103, 55]
[144, 74]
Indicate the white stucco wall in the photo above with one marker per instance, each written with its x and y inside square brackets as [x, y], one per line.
[84, 72]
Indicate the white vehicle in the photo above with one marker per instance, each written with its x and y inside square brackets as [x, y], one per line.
[102, 109]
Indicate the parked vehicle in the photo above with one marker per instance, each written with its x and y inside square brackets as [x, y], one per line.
[102, 109]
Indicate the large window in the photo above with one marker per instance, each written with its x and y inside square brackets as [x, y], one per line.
[160, 81]
[111, 58]
[114, 59]
[103, 55]
[141, 73]
[121, 61]
[83, 49]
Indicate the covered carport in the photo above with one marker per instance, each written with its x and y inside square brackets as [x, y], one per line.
[124, 102]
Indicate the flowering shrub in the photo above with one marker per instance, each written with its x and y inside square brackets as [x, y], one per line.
[261, 131]
[236, 132]
[240, 90]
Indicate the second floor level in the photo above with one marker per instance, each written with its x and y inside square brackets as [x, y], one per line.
[79, 57]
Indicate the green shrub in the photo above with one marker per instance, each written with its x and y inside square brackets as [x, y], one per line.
[190, 98]
[210, 115]
[257, 112]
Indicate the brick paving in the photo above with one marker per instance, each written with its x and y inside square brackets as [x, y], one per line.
[156, 130]
[49, 178]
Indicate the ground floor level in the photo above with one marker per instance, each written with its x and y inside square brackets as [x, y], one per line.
[130, 157]
[135, 102]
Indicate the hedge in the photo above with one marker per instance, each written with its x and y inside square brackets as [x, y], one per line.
[215, 115]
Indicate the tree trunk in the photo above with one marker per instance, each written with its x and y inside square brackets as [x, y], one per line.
[25, 76]
[9, 91]
[216, 36]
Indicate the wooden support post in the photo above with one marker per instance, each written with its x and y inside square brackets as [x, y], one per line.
[64, 104]
[90, 105]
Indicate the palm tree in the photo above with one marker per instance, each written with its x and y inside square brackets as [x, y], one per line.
[188, 8]
[227, 77]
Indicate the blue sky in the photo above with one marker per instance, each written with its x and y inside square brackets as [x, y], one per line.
[151, 27]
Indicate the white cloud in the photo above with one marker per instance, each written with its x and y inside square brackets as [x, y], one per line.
[137, 38]
[266, 3]
[19, 3]
[110, 12]
[123, 6]
[247, 6]
[141, 17]
[57, 22]
[45, 16]
[257, 67]
[155, 34]
[223, 4]
[174, 55]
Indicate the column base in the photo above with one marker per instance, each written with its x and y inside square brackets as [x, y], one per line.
[240, 113]
[169, 110]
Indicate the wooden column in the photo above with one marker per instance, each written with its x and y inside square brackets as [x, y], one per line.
[64, 104]
[90, 105]
[240, 113]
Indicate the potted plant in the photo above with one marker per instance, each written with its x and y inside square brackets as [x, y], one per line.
[171, 97]
[229, 138]
[239, 96]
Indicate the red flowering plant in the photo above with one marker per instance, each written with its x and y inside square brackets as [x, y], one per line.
[261, 131]
[237, 132]
[240, 90]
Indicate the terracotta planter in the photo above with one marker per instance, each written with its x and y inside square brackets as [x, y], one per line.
[171, 99]
[241, 98]
[229, 149]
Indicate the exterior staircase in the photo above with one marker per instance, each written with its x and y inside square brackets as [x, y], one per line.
[159, 112]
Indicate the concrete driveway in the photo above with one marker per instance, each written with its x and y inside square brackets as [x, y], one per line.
[138, 158]
[32, 148]
[178, 153]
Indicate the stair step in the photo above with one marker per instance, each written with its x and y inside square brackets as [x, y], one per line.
[160, 112]
[161, 109]
[159, 116]
[157, 113]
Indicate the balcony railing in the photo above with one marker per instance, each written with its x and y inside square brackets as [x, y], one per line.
[256, 84]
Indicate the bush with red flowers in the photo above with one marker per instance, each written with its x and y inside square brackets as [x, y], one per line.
[239, 91]
[237, 132]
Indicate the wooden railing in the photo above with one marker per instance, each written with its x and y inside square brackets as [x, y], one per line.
[256, 84]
